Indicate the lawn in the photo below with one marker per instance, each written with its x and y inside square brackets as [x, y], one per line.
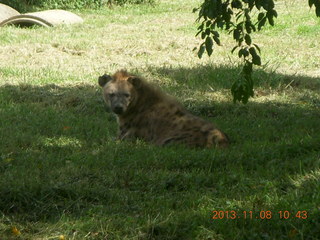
[62, 175]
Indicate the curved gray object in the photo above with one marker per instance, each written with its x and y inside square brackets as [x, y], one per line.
[48, 18]
[7, 12]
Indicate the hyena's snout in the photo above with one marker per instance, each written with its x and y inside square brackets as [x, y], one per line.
[118, 105]
[118, 109]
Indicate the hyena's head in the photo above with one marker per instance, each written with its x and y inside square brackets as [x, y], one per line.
[119, 91]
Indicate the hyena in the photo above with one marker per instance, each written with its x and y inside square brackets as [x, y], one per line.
[145, 112]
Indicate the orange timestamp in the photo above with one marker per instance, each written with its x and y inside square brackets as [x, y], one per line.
[219, 214]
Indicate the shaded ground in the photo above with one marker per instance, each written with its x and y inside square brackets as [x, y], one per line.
[59, 144]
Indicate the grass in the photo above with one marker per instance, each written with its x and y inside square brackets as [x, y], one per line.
[63, 176]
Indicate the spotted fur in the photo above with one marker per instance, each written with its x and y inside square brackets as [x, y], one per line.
[145, 112]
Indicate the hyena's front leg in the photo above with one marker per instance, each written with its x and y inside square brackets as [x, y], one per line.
[125, 134]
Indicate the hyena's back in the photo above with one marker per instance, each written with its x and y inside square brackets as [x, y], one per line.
[179, 126]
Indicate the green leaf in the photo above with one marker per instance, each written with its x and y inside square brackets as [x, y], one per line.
[213, 9]
[239, 25]
[209, 45]
[243, 52]
[262, 23]
[246, 14]
[260, 16]
[251, 4]
[248, 26]
[240, 53]
[239, 15]
[215, 33]
[247, 68]
[233, 49]
[236, 34]
[236, 4]
[201, 26]
[201, 50]
[257, 47]
[247, 39]
[217, 40]
[270, 19]
[256, 60]
[220, 24]
[195, 10]
[274, 13]
[253, 27]
[236, 91]
[228, 14]
[242, 89]
[267, 4]
[252, 51]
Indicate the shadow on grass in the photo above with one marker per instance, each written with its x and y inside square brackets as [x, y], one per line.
[58, 159]
[220, 77]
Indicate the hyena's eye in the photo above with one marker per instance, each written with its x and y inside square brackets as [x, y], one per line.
[111, 95]
[126, 95]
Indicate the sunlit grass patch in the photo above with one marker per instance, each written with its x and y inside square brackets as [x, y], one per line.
[61, 141]
[302, 179]
[308, 30]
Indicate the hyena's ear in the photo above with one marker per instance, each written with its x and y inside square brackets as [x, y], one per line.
[135, 81]
[104, 79]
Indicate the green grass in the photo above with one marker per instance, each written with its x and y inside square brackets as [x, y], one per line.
[62, 173]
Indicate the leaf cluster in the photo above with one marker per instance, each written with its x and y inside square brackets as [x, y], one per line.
[235, 16]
